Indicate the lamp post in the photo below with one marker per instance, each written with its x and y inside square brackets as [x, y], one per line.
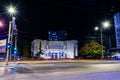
[11, 11]
[105, 24]
[102, 55]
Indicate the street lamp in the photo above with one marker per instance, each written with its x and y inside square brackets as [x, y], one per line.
[11, 10]
[105, 25]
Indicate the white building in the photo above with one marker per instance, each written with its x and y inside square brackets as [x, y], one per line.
[55, 49]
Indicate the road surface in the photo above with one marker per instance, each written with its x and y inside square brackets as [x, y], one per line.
[64, 71]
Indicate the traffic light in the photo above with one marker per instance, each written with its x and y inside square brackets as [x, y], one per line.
[8, 45]
[15, 50]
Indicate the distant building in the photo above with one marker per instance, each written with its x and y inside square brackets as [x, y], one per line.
[117, 29]
[55, 49]
[3, 47]
[57, 35]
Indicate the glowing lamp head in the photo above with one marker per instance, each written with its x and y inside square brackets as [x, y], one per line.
[11, 10]
[96, 28]
[106, 24]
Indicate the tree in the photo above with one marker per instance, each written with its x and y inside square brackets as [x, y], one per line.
[40, 52]
[91, 50]
[26, 50]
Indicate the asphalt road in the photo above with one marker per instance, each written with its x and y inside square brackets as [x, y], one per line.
[64, 71]
[56, 67]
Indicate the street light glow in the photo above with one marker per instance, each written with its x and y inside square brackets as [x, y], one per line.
[105, 24]
[11, 10]
[1, 24]
[96, 28]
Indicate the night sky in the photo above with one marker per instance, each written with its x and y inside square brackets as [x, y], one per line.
[77, 17]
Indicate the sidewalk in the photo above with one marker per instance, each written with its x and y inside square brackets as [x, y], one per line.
[10, 63]
[68, 61]
[6, 69]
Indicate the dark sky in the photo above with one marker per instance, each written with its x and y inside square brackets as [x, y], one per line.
[77, 17]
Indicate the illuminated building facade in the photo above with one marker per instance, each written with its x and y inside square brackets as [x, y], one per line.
[55, 49]
[57, 35]
[117, 29]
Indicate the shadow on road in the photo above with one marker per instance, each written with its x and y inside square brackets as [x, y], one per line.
[21, 69]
